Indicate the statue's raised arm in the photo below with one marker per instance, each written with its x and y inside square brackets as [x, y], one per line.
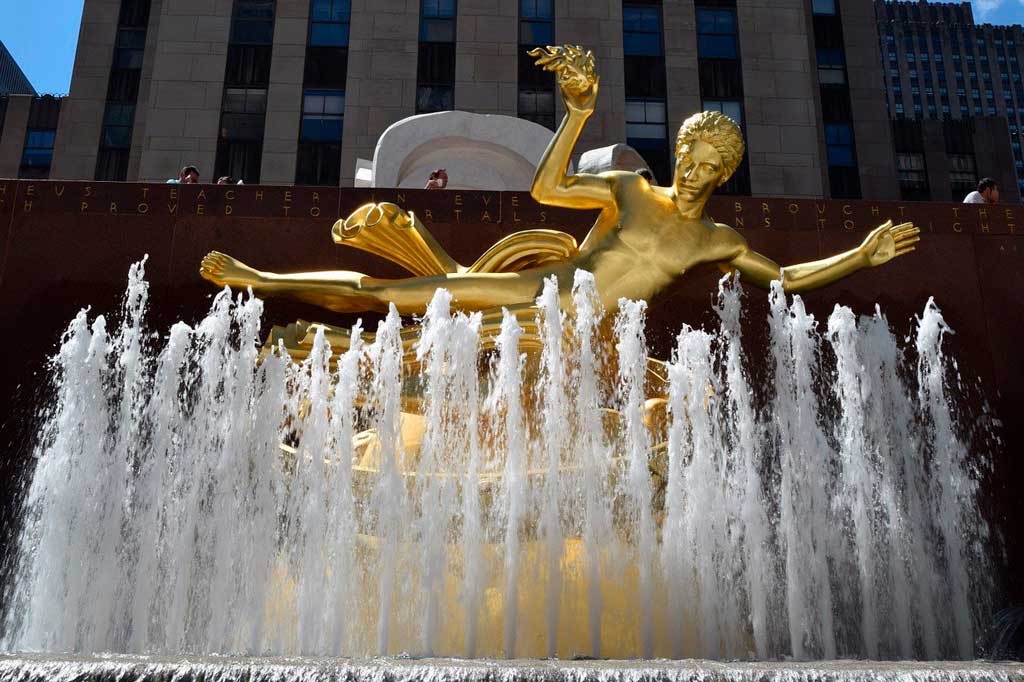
[578, 82]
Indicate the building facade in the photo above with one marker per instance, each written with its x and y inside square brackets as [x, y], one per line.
[12, 78]
[296, 91]
[955, 93]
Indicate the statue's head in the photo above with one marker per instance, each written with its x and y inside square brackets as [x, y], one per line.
[709, 148]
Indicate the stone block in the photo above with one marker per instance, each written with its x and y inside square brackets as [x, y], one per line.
[202, 123]
[282, 125]
[286, 69]
[179, 95]
[764, 139]
[799, 139]
[178, 27]
[212, 29]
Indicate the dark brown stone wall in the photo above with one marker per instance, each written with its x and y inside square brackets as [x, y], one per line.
[66, 245]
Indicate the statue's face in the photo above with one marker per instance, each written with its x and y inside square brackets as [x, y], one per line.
[699, 167]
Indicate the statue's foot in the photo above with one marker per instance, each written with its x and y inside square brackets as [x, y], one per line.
[223, 270]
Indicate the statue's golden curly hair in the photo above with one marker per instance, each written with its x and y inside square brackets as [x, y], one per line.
[719, 131]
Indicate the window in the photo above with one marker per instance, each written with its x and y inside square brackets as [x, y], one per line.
[716, 33]
[911, 171]
[839, 140]
[536, 22]
[37, 153]
[536, 100]
[319, 154]
[647, 133]
[322, 115]
[831, 66]
[538, 106]
[244, 103]
[731, 109]
[252, 22]
[329, 22]
[827, 7]
[641, 29]
[962, 175]
[435, 71]
[437, 21]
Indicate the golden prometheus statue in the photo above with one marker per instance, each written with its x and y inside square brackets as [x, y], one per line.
[645, 238]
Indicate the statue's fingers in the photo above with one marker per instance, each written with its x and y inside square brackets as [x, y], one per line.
[905, 241]
[900, 252]
[905, 228]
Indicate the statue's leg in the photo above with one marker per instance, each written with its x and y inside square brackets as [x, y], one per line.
[470, 292]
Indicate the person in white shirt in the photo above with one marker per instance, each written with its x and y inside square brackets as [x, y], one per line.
[987, 193]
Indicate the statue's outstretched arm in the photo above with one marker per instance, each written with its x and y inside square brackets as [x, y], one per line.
[577, 81]
[882, 245]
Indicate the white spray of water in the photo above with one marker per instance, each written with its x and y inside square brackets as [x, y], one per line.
[196, 498]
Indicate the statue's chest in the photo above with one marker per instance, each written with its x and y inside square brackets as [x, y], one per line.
[671, 244]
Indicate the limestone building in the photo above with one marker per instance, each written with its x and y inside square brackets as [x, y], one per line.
[955, 94]
[12, 78]
[297, 91]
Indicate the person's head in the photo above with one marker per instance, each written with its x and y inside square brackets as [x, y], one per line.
[433, 175]
[989, 189]
[709, 148]
[189, 175]
[225, 180]
[442, 173]
[645, 173]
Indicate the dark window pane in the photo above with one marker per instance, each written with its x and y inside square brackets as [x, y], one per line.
[716, 47]
[645, 76]
[326, 67]
[532, 77]
[318, 164]
[720, 79]
[131, 38]
[641, 43]
[134, 13]
[840, 155]
[40, 138]
[321, 128]
[536, 33]
[436, 63]
[240, 159]
[112, 164]
[437, 30]
[536, 9]
[844, 182]
[116, 136]
[123, 85]
[36, 157]
[253, 32]
[655, 152]
[241, 127]
[127, 59]
[254, 9]
[119, 114]
[647, 19]
[329, 34]
[434, 98]
[248, 65]
[712, 21]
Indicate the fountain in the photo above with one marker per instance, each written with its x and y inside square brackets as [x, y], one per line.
[510, 475]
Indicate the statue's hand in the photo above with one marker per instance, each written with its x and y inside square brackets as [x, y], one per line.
[575, 73]
[888, 241]
[223, 270]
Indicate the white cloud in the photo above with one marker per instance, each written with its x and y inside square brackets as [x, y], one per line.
[985, 6]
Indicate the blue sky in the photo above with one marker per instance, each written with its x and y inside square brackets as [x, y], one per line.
[42, 34]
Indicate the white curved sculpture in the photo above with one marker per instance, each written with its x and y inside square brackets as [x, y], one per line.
[479, 151]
